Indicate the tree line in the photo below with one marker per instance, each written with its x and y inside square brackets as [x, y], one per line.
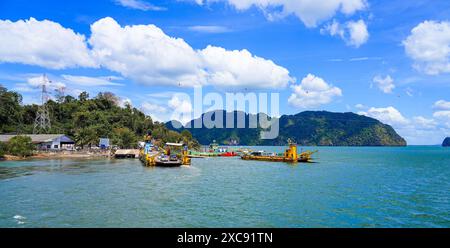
[87, 119]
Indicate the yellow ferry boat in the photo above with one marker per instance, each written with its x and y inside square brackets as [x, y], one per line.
[154, 156]
[290, 155]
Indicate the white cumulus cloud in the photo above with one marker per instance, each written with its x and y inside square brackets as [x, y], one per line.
[443, 116]
[310, 12]
[182, 108]
[388, 115]
[156, 111]
[422, 122]
[38, 81]
[429, 46]
[385, 84]
[360, 106]
[358, 33]
[179, 104]
[178, 107]
[313, 92]
[149, 107]
[143, 53]
[442, 104]
[146, 54]
[43, 43]
[241, 68]
[354, 33]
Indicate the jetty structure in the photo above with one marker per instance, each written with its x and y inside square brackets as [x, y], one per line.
[126, 153]
[290, 155]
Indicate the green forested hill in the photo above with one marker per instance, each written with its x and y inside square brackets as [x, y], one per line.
[86, 119]
[309, 128]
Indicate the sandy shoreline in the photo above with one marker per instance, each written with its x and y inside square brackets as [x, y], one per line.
[58, 155]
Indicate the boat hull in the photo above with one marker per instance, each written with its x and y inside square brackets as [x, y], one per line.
[228, 154]
[168, 164]
[267, 158]
[276, 159]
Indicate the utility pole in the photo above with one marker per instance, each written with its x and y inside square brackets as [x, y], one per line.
[42, 121]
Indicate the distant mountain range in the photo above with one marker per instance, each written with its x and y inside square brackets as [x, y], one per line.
[309, 128]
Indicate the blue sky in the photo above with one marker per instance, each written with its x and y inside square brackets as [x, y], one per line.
[385, 59]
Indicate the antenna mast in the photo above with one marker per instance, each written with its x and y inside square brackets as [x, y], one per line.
[42, 122]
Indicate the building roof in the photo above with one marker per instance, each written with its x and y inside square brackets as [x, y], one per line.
[174, 144]
[37, 138]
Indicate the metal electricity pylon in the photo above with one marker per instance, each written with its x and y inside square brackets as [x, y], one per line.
[42, 121]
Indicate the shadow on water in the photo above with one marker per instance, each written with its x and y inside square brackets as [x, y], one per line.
[6, 173]
[15, 169]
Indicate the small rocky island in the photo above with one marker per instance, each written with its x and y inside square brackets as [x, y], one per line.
[446, 142]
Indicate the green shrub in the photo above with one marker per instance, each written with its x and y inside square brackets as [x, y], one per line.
[20, 146]
[2, 149]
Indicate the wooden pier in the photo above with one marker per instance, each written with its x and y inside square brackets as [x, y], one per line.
[127, 153]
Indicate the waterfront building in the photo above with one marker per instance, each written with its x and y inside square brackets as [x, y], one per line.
[45, 141]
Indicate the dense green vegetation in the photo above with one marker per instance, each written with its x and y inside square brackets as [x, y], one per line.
[86, 120]
[446, 142]
[20, 146]
[312, 128]
[2, 149]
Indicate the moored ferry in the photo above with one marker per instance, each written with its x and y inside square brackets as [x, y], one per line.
[290, 155]
[174, 154]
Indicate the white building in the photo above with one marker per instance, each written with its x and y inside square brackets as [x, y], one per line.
[46, 141]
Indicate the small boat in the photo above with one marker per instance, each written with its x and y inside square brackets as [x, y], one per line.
[228, 154]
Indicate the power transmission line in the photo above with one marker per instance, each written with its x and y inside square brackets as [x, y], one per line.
[42, 121]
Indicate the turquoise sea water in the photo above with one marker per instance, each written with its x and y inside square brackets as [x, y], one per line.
[348, 187]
